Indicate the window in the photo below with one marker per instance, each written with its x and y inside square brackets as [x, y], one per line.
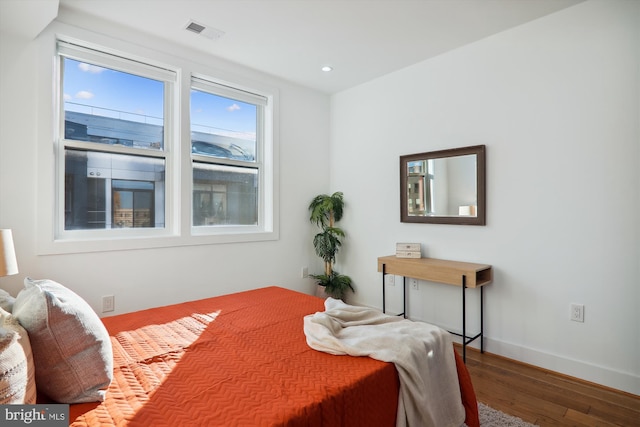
[100, 189]
[128, 159]
[420, 187]
[114, 141]
[227, 164]
[133, 203]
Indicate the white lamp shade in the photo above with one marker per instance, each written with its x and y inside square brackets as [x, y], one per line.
[8, 262]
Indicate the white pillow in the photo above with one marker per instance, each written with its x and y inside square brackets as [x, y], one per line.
[6, 301]
[17, 373]
[71, 347]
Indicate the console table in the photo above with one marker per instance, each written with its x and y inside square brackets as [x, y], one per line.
[463, 274]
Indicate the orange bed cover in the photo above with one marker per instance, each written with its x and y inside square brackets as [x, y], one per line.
[240, 360]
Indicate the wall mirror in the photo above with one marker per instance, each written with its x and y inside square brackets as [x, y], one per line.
[444, 187]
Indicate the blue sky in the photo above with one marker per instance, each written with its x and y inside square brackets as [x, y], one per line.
[108, 89]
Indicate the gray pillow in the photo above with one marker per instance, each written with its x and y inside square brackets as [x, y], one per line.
[71, 347]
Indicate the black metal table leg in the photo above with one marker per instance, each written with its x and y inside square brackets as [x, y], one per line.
[481, 319]
[404, 297]
[464, 320]
[383, 288]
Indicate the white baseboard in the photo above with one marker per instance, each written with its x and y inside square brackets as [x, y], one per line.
[623, 381]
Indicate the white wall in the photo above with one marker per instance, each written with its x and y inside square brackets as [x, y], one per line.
[556, 101]
[145, 278]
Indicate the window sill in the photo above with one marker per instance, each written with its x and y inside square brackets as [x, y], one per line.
[107, 244]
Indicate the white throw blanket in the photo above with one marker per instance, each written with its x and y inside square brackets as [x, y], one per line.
[423, 355]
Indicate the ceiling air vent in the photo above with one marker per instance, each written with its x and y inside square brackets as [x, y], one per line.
[208, 32]
[195, 27]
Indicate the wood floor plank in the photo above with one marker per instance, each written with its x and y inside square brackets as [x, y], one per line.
[546, 398]
[588, 420]
[530, 387]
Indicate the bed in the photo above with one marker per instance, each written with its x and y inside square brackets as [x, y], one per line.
[241, 360]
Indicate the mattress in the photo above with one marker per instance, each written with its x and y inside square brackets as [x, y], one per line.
[236, 360]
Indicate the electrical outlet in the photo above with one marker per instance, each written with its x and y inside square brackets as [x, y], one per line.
[108, 303]
[304, 272]
[414, 284]
[390, 280]
[577, 312]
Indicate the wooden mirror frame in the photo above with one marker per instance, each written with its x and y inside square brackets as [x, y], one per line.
[479, 219]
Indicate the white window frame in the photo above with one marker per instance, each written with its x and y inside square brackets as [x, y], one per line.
[212, 86]
[118, 63]
[178, 230]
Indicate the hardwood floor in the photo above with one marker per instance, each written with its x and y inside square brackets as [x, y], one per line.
[547, 398]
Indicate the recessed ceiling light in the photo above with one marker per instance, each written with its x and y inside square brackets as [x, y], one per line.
[326, 68]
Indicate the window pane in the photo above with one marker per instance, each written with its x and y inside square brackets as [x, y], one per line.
[111, 107]
[223, 127]
[113, 191]
[224, 195]
[133, 203]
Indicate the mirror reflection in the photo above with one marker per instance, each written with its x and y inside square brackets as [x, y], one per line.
[444, 186]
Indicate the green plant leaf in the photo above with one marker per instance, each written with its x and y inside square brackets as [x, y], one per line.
[326, 209]
[336, 284]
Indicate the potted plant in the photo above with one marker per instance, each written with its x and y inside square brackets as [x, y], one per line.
[325, 212]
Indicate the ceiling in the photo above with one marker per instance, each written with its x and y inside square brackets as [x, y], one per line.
[293, 39]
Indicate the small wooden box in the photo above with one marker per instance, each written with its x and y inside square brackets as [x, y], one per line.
[408, 254]
[408, 250]
[408, 247]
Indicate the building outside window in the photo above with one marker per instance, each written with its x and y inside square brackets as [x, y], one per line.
[420, 187]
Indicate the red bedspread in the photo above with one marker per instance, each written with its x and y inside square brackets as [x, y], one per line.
[237, 360]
